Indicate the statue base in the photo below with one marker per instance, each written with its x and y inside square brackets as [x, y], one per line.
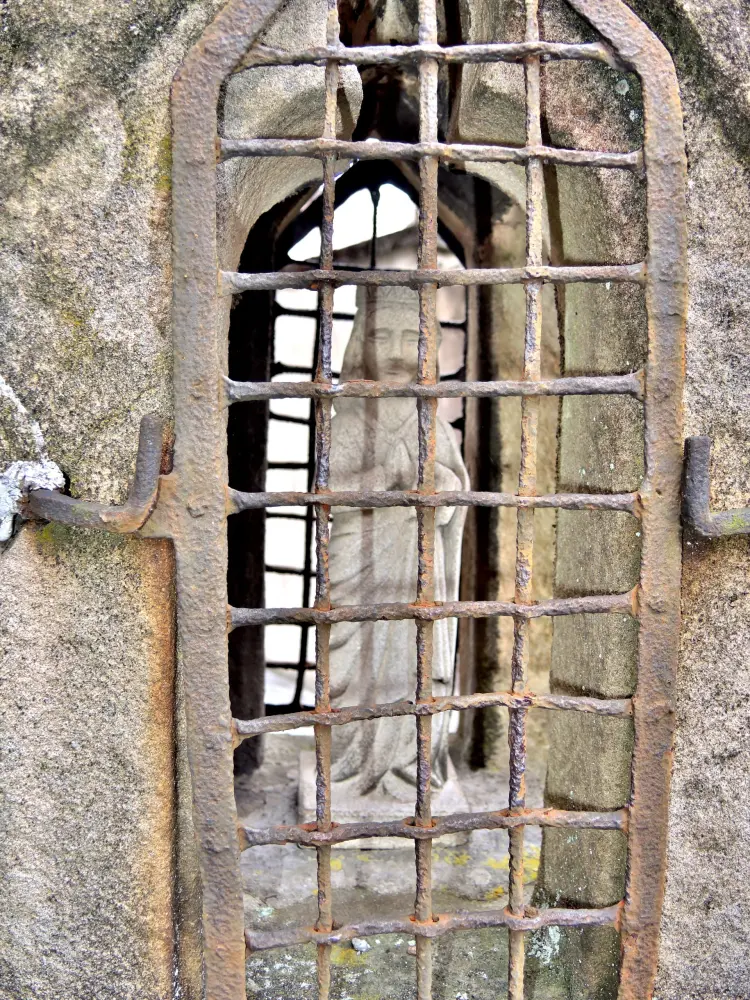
[348, 806]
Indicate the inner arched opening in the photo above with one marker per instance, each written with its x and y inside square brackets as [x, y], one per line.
[271, 447]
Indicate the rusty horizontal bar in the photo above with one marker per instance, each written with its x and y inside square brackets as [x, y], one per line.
[375, 149]
[370, 500]
[311, 314]
[604, 604]
[584, 385]
[397, 55]
[504, 819]
[278, 665]
[613, 707]
[277, 368]
[234, 282]
[535, 920]
[284, 418]
[286, 570]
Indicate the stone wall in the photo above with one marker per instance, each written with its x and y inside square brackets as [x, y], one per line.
[87, 689]
[86, 682]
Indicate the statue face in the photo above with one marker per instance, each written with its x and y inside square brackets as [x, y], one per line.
[392, 353]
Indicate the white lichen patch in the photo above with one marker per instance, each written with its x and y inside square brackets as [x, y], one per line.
[19, 477]
[545, 945]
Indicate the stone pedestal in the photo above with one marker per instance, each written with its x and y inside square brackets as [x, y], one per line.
[348, 806]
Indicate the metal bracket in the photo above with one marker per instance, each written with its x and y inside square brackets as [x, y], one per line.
[50, 505]
[696, 497]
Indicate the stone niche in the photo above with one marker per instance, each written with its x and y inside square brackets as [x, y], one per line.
[97, 897]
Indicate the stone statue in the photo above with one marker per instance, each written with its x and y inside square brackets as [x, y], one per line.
[373, 560]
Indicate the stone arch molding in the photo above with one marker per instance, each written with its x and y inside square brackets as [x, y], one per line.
[210, 225]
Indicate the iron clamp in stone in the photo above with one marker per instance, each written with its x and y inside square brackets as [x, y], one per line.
[51, 505]
[696, 496]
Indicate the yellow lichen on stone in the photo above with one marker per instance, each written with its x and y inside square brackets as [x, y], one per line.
[346, 956]
[459, 858]
[501, 865]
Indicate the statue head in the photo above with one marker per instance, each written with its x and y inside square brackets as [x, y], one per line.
[384, 343]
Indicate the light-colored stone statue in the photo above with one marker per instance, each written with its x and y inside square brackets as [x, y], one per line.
[373, 560]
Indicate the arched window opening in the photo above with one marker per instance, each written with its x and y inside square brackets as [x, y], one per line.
[290, 453]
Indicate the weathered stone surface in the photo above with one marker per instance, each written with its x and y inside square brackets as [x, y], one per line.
[705, 933]
[86, 723]
[87, 670]
[85, 255]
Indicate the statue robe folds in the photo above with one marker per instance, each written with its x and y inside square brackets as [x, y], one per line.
[373, 560]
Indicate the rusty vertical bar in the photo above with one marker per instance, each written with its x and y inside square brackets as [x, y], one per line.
[322, 515]
[659, 597]
[210, 845]
[427, 417]
[526, 487]
[309, 524]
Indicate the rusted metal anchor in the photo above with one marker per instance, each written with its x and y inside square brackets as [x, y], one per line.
[50, 505]
[696, 497]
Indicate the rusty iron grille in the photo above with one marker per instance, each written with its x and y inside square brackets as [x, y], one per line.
[195, 501]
